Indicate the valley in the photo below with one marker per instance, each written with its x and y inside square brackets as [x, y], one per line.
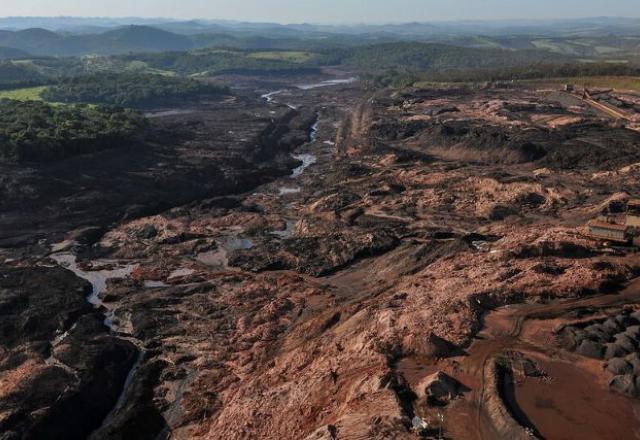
[218, 229]
[317, 259]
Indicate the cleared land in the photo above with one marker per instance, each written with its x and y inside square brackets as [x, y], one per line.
[24, 94]
[290, 56]
[613, 82]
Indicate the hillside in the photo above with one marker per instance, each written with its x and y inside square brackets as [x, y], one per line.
[41, 42]
[130, 90]
[139, 39]
[429, 56]
[7, 53]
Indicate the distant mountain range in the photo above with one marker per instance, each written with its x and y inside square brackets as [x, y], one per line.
[69, 36]
[7, 53]
[91, 25]
[42, 42]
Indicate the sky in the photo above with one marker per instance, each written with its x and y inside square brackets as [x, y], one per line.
[326, 11]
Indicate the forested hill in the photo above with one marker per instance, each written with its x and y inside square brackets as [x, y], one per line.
[8, 53]
[431, 56]
[129, 89]
[36, 131]
[41, 42]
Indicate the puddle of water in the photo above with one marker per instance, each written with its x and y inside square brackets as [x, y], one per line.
[288, 231]
[329, 143]
[283, 191]
[306, 159]
[269, 96]
[575, 405]
[314, 130]
[220, 256]
[98, 278]
[327, 83]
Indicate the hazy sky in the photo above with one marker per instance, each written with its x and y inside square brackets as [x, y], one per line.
[317, 11]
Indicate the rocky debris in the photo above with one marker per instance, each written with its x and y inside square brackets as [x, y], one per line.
[615, 339]
[328, 432]
[497, 212]
[439, 348]
[593, 349]
[59, 362]
[628, 385]
[615, 204]
[399, 260]
[549, 268]
[314, 255]
[614, 350]
[230, 148]
[562, 249]
[501, 417]
[526, 367]
[619, 367]
[439, 389]
[87, 235]
[147, 232]
[634, 360]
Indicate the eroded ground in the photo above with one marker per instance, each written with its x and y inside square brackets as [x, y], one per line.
[418, 271]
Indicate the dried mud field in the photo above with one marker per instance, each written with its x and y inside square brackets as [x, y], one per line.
[371, 265]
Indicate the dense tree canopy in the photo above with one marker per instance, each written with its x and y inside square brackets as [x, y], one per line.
[36, 131]
[129, 89]
[218, 61]
[432, 57]
[13, 75]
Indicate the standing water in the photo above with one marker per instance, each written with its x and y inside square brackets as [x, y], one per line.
[327, 83]
[98, 280]
[220, 256]
[307, 159]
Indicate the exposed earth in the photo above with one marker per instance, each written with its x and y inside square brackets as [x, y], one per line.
[314, 260]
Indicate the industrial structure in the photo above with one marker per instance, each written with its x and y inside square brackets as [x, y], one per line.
[610, 229]
[633, 214]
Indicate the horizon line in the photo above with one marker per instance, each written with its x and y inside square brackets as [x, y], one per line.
[333, 23]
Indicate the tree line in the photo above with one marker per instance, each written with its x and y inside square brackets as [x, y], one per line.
[35, 131]
[129, 89]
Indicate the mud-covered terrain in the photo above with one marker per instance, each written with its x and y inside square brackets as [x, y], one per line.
[199, 150]
[393, 265]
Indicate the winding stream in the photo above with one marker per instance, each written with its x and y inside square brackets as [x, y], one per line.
[306, 158]
[98, 280]
[328, 83]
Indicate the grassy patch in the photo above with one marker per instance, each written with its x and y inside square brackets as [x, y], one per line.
[604, 82]
[555, 46]
[142, 67]
[290, 56]
[439, 85]
[25, 94]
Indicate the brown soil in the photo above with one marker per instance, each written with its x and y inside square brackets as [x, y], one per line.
[436, 232]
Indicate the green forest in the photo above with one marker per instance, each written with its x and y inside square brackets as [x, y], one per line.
[34, 131]
[129, 89]
[220, 61]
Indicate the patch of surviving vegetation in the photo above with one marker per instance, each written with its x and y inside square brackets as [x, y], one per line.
[129, 89]
[34, 131]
